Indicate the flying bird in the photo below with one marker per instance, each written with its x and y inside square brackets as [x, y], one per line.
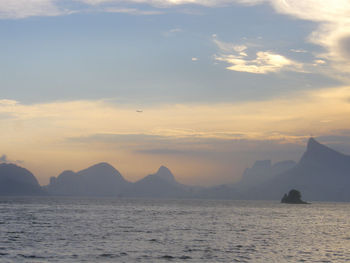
[139, 111]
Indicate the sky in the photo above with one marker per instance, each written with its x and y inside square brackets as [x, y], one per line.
[204, 87]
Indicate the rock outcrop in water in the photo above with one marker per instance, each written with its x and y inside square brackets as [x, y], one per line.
[15, 180]
[293, 197]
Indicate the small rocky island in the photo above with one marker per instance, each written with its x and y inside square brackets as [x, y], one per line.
[293, 197]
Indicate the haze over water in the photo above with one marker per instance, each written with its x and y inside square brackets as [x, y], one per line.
[122, 230]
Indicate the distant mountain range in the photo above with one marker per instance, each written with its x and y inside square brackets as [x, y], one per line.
[15, 180]
[321, 174]
[104, 180]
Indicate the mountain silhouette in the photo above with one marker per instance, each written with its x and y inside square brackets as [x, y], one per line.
[317, 155]
[162, 184]
[261, 172]
[322, 174]
[98, 180]
[15, 180]
[165, 174]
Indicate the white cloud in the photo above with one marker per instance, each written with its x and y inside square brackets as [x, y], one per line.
[318, 62]
[132, 11]
[315, 10]
[333, 32]
[169, 3]
[298, 50]
[228, 47]
[265, 62]
[175, 30]
[262, 63]
[172, 32]
[16, 9]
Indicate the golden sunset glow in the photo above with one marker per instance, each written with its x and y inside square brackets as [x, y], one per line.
[79, 132]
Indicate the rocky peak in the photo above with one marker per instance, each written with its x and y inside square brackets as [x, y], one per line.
[321, 154]
[164, 173]
[100, 170]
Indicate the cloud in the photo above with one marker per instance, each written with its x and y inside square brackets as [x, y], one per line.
[16, 9]
[265, 62]
[298, 50]
[295, 114]
[344, 46]
[333, 32]
[333, 16]
[262, 63]
[5, 102]
[164, 151]
[133, 11]
[208, 149]
[175, 30]
[170, 3]
[4, 116]
[172, 32]
[230, 47]
[141, 143]
[116, 138]
[318, 62]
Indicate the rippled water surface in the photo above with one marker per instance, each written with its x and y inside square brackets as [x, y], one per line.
[118, 230]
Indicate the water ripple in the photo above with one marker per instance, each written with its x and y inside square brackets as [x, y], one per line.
[119, 230]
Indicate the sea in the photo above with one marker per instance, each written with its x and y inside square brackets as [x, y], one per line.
[48, 229]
